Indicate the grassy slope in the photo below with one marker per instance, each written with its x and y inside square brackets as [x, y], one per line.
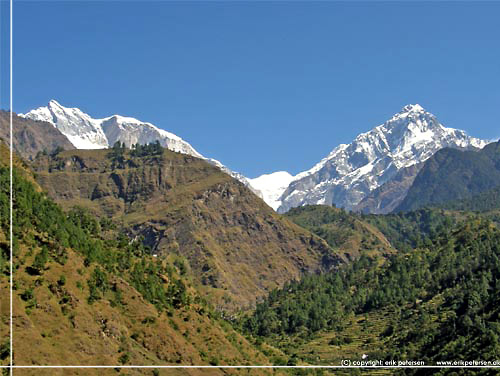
[237, 247]
[79, 333]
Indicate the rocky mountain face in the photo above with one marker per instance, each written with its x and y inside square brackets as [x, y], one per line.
[237, 247]
[452, 175]
[351, 172]
[31, 136]
[388, 196]
[86, 132]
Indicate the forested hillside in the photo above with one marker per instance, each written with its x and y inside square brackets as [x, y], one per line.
[451, 175]
[482, 202]
[414, 229]
[85, 294]
[437, 302]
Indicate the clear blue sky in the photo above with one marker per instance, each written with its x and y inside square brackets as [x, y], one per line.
[261, 86]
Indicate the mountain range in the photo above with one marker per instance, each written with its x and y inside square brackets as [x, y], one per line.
[145, 255]
[351, 172]
[372, 174]
[85, 132]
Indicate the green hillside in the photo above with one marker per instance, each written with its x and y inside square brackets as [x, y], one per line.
[408, 230]
[451, 175]
[482, 202]
[438, 302]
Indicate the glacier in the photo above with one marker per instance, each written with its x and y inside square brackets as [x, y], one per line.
[271, 186]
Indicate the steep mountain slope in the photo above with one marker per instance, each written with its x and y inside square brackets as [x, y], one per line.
[236, 246]
[388, 196]
[84, 295]
[351, 172]
[453, 175]
[31, 136]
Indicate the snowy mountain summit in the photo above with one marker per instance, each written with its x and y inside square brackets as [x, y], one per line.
[350, 172]
[85, 132]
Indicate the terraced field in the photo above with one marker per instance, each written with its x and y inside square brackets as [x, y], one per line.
[363, 334]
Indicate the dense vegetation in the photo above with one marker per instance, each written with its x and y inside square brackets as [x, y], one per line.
[442, 298]
[403, 231]
[451, 175]
[483, 202]
[414, 229]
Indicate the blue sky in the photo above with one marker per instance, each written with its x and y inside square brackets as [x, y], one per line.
[261, 86]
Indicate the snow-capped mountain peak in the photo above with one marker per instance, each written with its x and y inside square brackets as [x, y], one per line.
[351, 171]
[409, 108]
[85, 132]
[81, 130]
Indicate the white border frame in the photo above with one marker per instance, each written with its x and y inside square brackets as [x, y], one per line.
[11, 365]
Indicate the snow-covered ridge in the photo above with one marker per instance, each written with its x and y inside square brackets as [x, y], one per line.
[85, 132]
[351, 171]
[272, 186]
